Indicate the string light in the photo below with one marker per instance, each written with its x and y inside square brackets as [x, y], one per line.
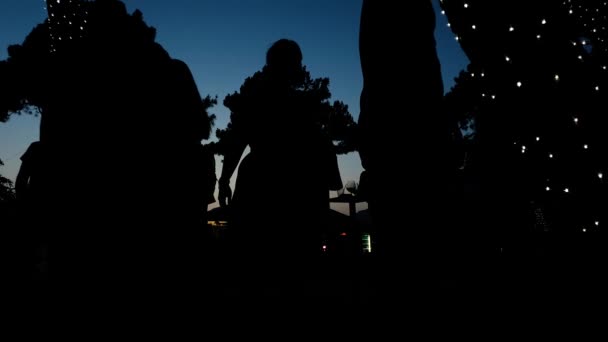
[590, 48]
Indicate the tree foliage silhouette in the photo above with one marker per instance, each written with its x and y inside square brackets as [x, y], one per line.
[334, 118]
[7, 190]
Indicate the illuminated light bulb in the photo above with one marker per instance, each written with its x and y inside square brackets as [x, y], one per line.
[537, 138]
[580, 57]
[597, 88]
[597, 223]
[457, 38]
[465, 5]
[474, 27]
[600, 175]
[557, 77]
[543, 22]
[586, 147]
[584, 230]
[443, 12]
[575, 120]
[548, 188]
[482, 74]
[511, 29]
[507, 58]
[566, 190]
[493, 97]
[550, 155]
[538, 36]
[519, 84]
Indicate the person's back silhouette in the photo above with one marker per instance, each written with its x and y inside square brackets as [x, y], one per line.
[282, 189]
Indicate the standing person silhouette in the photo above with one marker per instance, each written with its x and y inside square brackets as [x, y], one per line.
[404, 139]
[282, 189]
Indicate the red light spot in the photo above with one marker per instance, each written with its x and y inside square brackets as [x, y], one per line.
[343, 234]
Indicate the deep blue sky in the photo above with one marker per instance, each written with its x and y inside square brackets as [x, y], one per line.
[224, 41]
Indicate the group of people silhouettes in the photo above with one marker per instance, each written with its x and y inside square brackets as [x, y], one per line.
[119, 183]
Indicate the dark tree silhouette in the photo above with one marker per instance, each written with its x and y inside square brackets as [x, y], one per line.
[335, 119]
[7, 189]
[122, 123]
[535, 90]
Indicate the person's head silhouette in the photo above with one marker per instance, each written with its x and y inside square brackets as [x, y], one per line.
[284, 61]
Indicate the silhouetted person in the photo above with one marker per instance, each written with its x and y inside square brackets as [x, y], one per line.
[282, 189]
[404, 138]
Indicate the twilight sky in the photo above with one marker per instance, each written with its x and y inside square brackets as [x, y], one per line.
[224, 41]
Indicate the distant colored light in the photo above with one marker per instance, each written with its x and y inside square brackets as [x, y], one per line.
[343, 234]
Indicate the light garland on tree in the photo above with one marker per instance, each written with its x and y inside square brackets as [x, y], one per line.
[591, 44]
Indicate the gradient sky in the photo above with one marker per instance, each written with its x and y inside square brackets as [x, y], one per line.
[224, 41]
